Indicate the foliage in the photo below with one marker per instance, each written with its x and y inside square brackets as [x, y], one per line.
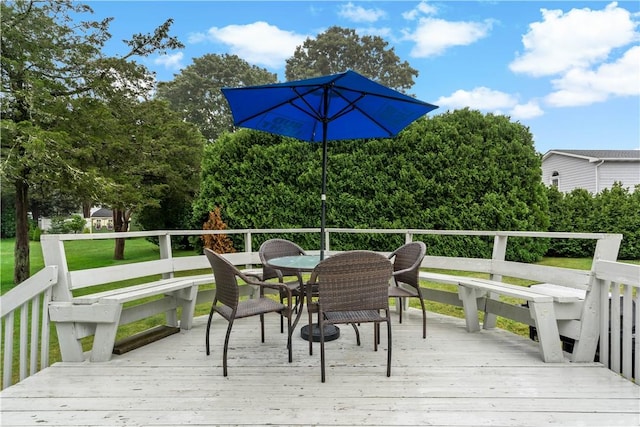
[460, 170]
[34, 231]
[76, 224]
[195, 92]
[8, 214]
[219, 243]
[340, 49]
[63, 225]
[50, 57]
[614, 210]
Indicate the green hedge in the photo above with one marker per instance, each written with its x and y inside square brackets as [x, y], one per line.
[615, 210]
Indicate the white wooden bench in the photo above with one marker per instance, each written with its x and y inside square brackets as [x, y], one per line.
[560, 304]
[101, 312]
[483, 296]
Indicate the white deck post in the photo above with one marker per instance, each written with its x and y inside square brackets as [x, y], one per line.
[584, 349]
[499, 254]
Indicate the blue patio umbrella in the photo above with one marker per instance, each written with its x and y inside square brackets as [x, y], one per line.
[333, 107]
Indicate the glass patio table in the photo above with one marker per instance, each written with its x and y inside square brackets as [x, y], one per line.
[306, 263]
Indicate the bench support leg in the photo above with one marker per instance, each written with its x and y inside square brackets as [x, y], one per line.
[105, 337]
[544, 317]
[187, 298]
[490, 320]
[584, 349]
[70, 346]
[470, 304]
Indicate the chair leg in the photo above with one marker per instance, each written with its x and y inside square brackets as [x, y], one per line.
[321, 326]
[424, 319]
[355, 328]
[388, 345]
[262, 327]
[310, 333]
[281, 316]
[206, 338]
[401, 306]
[226, 346]
[376, 335]
[289, 340]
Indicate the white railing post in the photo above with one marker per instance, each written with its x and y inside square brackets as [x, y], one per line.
[248, 246]
[596, 303]
[164, 242]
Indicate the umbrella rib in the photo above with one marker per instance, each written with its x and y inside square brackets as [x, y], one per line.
[299, 95]
[351, 105]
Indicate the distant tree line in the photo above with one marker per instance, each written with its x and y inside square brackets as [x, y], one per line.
[615, 210]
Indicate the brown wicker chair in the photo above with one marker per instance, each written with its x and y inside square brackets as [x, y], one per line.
[406, 269]
[227, 301]
[275, 248]
[352, 289]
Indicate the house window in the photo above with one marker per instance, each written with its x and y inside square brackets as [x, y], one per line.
[555, 179]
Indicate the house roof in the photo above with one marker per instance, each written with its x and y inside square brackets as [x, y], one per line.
[598, 155]
[102, 213]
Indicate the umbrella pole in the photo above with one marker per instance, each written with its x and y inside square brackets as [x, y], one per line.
[323, 196]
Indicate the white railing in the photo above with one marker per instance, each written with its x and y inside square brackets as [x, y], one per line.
[29, 300]
[619, 297]
[37, 290]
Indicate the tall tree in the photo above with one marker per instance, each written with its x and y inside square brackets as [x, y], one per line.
[48, 57]
[149, 155]
[339, 49]
[195, 92]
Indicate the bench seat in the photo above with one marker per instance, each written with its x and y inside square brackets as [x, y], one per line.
[540, 308]
[101, 313]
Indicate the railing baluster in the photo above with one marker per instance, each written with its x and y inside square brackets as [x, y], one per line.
[7, 367]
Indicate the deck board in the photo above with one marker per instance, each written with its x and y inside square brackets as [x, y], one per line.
[453, 378]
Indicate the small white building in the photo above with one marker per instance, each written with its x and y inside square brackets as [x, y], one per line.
[593, 170]
[102, 219]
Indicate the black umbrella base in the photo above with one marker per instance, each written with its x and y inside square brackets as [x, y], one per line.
[331, 332]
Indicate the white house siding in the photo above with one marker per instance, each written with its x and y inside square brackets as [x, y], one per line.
[592, 170]
[574, 173]
[626, 172]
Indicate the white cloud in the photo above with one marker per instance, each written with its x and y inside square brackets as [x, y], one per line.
[360, 14]
[257, 43]
[422, 9]
[576, 39]
[526, 111]
[491, 101]
[171, 62]
[384, 32]
[584, 87]
[434, 36]
[480, 98]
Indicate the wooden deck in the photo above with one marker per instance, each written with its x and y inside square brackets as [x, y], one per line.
[453, 378]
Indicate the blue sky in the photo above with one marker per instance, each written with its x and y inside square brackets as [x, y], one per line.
[568, 70]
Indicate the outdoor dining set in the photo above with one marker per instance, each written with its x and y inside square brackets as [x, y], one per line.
[351, 287]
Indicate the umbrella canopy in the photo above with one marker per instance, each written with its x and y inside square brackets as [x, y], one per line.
[338, 106]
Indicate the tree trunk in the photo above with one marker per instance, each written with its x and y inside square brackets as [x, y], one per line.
[86, 209]
[22, 266]
[120, 223]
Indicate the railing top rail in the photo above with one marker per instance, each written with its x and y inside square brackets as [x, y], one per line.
[158, 233]
[619, 272]
[30, 288]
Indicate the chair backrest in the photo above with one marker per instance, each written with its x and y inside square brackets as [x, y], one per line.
[353, 280]
[276, 248]
[226, 277]
[406, 261]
